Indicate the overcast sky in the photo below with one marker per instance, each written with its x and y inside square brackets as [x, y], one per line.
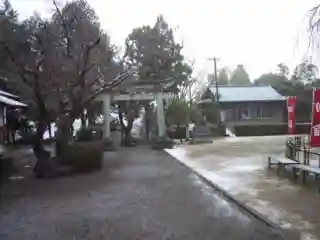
[256, 33]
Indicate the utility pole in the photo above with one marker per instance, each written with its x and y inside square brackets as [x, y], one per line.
[190, 84]
[190, 95]
[217, 89]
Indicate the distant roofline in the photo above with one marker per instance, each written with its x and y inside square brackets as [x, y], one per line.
[279, 99]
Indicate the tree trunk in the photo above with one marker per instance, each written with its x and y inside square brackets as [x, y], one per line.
[83, 119]
[13, 136]
[127, 141]
[64, 135]
[45, 167]
[127, 132]
[38, 137]
[91, 114]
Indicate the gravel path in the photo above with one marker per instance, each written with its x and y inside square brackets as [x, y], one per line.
[140, 194]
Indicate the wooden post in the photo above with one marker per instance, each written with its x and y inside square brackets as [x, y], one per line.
[294, 171]
[279, 168]
[308, 155]
[294, 151]
[303, 176]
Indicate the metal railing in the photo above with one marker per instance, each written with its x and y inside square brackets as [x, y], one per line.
[297, 149]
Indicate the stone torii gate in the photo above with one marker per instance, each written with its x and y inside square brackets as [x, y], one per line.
[137, 91]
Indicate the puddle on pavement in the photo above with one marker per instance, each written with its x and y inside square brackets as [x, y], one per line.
[223, 208]
[243, 168]
[239, 165]
[285, 219]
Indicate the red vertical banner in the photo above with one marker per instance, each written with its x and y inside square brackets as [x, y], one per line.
[315, 120]
[291, 106]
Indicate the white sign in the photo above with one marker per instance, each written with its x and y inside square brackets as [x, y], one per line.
[316, 130]
[317, 107]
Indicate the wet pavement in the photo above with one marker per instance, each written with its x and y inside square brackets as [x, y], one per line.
[140, 194]
[239, 166]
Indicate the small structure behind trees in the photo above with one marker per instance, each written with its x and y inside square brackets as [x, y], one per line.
[58, 66]
[9, 116]
[130, 100]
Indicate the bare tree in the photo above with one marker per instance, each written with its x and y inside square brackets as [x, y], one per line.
[61, 66]
[314, 26]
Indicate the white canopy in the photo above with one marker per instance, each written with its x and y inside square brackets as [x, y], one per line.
[4, 93]
[11, 102]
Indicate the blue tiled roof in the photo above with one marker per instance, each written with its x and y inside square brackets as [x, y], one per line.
[248, 93]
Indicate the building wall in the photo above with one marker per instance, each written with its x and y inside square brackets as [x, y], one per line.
[253, 112]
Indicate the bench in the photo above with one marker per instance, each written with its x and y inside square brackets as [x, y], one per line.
[281, 162]
[304, 171]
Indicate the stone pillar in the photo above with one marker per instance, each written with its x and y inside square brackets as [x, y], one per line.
[187, 131]
[106, 115]
[160, 114]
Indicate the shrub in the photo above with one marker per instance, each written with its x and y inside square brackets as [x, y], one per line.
[85, 156]
[271, 129]
[88, 134]
[178, 132]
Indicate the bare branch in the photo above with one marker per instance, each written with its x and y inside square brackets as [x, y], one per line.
[21, 71]
[314, 24]
[87, 68]
[107, 86]
[66, 30]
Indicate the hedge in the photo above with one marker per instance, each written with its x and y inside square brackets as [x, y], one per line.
[84, 156]
[177, 132]
[272, 129]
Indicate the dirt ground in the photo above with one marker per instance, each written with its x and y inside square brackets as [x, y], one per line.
[239, 165]
[139, 194]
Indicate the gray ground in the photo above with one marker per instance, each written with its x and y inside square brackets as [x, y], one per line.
[239, 166]
[140, 194]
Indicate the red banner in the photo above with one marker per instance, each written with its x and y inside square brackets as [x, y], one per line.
[315, 121]
[291, 106]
